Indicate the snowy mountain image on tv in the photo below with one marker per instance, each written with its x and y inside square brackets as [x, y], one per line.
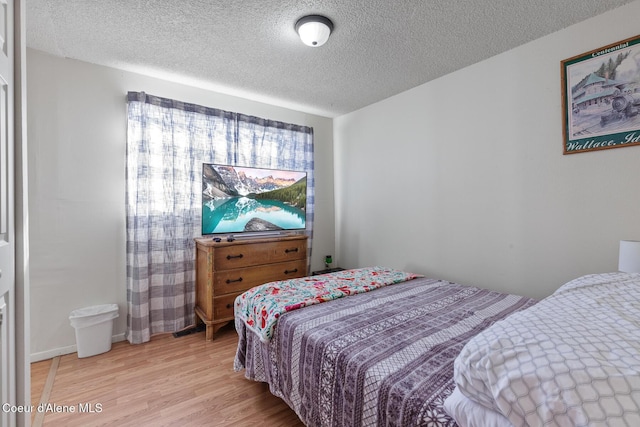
[240, 199]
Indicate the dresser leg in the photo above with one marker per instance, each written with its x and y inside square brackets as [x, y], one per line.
[209, 326]
[213, 328]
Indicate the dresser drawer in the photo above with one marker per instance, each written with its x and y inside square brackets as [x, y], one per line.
[246, 255]
[230, 281]
[223, 306]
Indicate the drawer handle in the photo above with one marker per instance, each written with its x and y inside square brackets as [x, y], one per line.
[234, 256]
[234, 281]
[286, 251]
[295, 270]
[229, 305]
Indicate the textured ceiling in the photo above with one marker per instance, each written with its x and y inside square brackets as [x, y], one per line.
[249, 48]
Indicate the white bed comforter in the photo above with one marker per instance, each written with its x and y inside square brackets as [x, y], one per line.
[572, 359]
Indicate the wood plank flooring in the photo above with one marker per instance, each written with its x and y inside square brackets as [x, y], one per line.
[184, 381]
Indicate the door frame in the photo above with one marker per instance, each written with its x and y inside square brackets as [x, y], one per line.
[22, 301]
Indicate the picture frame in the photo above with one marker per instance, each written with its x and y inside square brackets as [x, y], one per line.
[601, 98]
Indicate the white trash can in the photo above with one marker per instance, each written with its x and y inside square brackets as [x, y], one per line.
[94, 328]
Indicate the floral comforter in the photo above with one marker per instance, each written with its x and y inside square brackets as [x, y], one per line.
[261, 306]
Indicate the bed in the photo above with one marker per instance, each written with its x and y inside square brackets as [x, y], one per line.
[571, 360]
[415, 351]
[382, 356]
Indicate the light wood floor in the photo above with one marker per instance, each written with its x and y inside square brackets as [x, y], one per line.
[184, 381]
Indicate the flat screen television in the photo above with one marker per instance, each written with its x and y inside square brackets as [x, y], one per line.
[239, 199]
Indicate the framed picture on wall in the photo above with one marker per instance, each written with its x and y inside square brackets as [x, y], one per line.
[601, 98]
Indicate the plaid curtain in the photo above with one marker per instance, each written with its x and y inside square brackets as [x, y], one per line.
[167, 142]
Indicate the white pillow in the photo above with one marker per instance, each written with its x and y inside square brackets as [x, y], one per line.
[571, 359]
[468, 413]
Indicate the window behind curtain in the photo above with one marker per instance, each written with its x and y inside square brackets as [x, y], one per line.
[167, 142]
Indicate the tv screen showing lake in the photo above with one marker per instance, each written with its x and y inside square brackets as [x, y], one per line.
[236, 199]
[238, 214]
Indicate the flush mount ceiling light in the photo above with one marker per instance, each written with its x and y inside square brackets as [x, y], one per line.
[314, 30]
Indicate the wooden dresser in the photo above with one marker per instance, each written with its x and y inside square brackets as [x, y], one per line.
[226, 269]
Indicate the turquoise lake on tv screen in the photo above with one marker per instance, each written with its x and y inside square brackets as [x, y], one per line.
[232, 214]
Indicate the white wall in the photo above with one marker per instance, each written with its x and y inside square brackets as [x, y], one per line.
[463, 178]
[77, 135]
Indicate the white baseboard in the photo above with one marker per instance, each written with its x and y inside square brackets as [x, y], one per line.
[50, 354]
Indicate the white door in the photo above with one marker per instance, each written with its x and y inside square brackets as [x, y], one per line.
[8, 379]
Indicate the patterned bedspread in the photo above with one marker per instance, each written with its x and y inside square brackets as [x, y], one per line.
[383, 357]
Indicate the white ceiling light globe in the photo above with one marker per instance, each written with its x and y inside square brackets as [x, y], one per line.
[314, 30]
